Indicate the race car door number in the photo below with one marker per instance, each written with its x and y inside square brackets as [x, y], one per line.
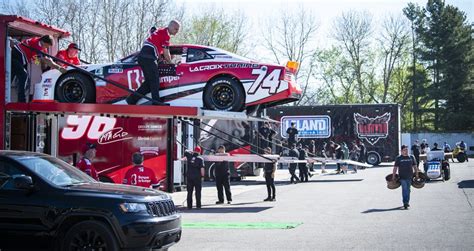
[266, 81]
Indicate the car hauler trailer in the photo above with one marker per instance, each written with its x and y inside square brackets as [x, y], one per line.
[61, 129]
[376, 125]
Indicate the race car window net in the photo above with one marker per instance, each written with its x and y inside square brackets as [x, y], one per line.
[197, 55]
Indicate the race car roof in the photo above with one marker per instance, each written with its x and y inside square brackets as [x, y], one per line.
[127, 111]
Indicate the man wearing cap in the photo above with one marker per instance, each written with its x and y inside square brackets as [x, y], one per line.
[139, 175]
[194, 175]
[405, 165]
[29, 51]
[155, 45]
[85, 164]
[69, 55]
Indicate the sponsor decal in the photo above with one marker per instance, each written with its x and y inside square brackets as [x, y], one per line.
[317, 126]
[221, 66]
[115, 70]
[99, 72]
[48, 80]
[149, 138]
[114, 135]
[372, 129]
[150, 127]
[169, 79]
[150, 150]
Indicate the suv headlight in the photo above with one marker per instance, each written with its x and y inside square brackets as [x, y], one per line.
[133, 207]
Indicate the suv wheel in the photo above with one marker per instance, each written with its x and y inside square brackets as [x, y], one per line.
[90, 235]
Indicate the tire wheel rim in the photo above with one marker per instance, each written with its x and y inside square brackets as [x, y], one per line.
[88, 240]
[73, 91]
[372, 159]
[222, 96]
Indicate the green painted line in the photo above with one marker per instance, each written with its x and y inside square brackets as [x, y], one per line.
[242, 225]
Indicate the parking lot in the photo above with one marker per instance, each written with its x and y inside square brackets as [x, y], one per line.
[351, 211]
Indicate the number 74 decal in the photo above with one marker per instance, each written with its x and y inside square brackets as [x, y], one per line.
[269, 81]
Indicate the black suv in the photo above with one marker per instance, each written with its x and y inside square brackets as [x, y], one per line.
[45, 201]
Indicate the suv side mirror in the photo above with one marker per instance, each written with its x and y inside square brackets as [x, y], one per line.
[23, 182]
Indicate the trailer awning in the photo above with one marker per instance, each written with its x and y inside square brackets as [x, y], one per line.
[127, 111]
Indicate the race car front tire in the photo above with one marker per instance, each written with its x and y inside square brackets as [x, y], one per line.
[224, 94]
[75, 88]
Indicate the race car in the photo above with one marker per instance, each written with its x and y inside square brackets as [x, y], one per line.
[201, 76]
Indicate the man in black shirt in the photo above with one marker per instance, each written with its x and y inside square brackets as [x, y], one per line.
[264, 133]
[405, 165]
[269, 174]
[293, 153]
[194, 174]
[222, 174]
[292, 131]
[415, 150]
[302, 166]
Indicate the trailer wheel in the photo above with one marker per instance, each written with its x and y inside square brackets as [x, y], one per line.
[373, 158]
[75, 88]
[211, 173]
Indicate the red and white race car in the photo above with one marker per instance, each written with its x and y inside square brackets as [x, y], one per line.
[205, 77]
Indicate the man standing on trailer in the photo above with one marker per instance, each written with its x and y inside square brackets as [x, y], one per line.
[28, 52]
[69, 55]
[292, 132]
[156, 44]
[194, 175]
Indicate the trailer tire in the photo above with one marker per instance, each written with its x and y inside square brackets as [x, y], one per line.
[211, 172]
[373, 158]
[75, 88]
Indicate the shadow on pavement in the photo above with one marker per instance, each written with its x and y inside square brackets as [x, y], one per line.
[380, 210]
[221, 210]
[466, 184]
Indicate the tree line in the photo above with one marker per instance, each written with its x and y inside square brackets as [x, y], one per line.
[421, 59]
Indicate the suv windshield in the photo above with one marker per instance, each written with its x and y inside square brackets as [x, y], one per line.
[55, 171]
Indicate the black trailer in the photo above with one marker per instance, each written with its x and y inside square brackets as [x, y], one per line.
[376, 125]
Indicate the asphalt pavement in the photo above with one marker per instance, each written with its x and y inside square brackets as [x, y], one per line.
[353, 211]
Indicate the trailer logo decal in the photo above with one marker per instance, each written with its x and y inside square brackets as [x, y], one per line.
[114, 135]
[317, 126]
[372, 129]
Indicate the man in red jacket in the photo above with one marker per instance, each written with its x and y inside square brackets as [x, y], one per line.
[69, 55]
[85, 164]
[139, 175]
[155, 45]
[28, 51]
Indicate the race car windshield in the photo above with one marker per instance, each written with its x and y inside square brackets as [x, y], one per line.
[55, 171]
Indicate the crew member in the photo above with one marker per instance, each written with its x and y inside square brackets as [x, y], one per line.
[194, 175]
[292, 132]
[295, 154]
[269, 175]
[85, 164]
[222, 174]
[264, 132]
[435, 147]
[156, 44]
[405, 165]
[28, 52]
[69, 55]
[139, 175]
[415, 150]
[303, 169]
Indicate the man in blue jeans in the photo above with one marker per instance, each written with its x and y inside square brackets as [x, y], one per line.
[405, 165]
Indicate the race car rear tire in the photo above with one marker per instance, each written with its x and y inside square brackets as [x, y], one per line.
[461, 157]
[373, 158]
[224, 94]
[75, 88]
[447, 173]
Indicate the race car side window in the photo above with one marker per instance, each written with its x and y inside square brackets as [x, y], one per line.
[197, 55]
